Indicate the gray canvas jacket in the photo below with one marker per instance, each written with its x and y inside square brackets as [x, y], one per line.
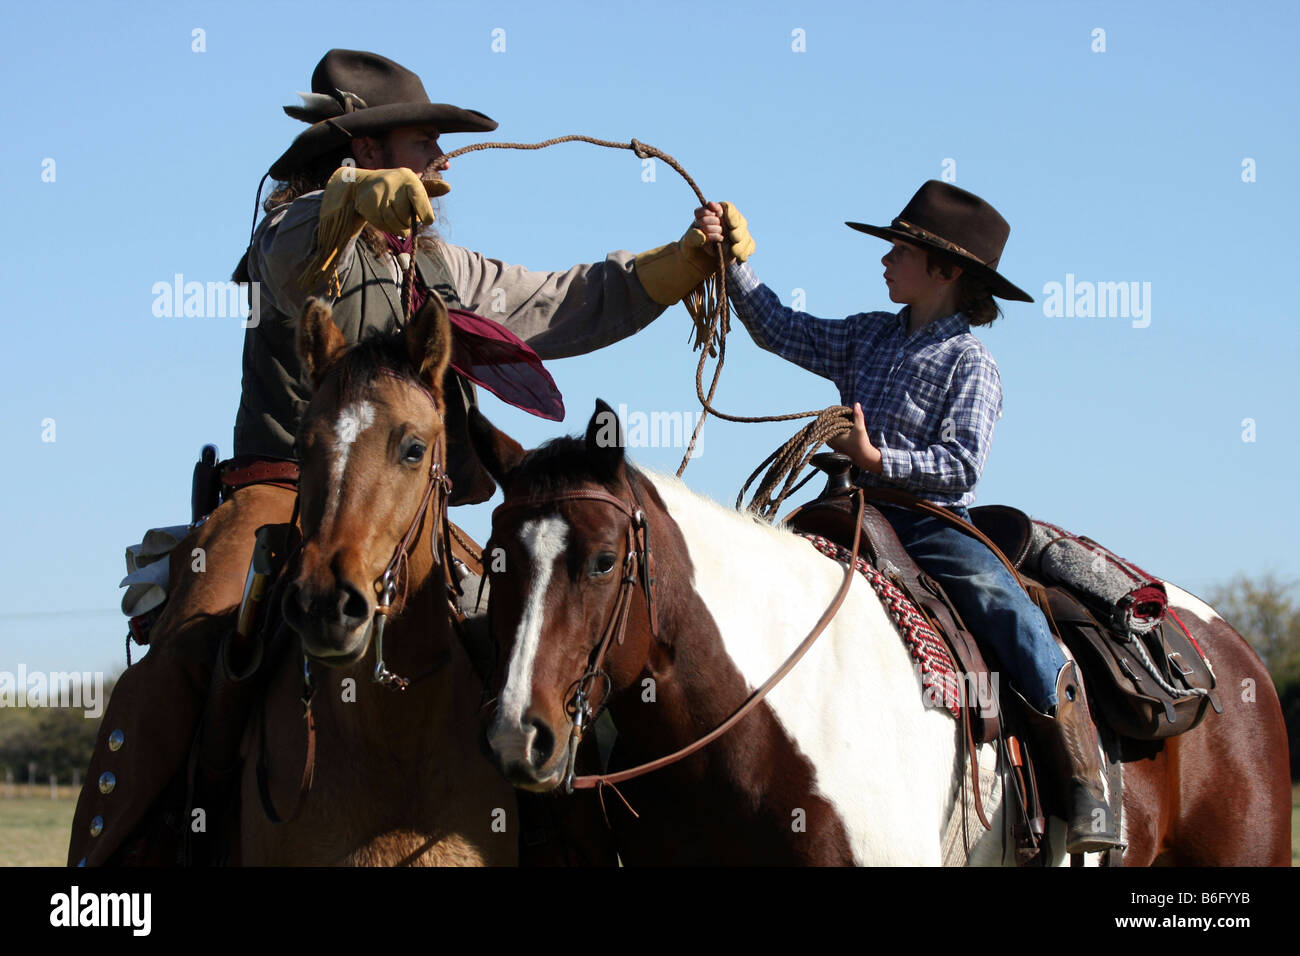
[559, 314]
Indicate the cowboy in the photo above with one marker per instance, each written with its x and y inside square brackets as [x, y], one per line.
[925, 394]
[338, 225]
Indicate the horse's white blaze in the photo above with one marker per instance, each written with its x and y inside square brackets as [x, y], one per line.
[1190, 602]
[352, 421]
[853, 704]
[545, 540]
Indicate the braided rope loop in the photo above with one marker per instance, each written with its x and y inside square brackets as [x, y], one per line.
[710, 311]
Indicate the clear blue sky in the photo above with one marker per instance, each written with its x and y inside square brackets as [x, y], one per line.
[1117, 166]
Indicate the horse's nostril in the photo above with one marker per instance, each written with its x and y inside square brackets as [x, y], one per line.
[352, 604]
[543, 743]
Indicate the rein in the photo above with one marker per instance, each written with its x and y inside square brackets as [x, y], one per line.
[639, 556]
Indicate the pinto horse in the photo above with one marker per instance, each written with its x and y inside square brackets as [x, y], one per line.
[399, 776]
[842, 762]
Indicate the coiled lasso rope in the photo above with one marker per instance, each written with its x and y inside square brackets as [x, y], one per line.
[710, 310]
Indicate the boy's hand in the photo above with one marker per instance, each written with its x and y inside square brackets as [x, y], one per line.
[722, 222]
[708, 219]
[857, 445]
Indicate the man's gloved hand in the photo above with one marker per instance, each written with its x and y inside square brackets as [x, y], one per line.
[386, 198]
[741, 242]
[669, 272]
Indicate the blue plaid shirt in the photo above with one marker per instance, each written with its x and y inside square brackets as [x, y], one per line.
[929, 400]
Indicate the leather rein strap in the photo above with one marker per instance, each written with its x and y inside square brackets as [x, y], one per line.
[618, 624]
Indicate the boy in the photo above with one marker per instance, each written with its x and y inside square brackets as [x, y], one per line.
[925, 395]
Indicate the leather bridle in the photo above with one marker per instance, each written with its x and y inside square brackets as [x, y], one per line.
[437, 491]
[638, 566]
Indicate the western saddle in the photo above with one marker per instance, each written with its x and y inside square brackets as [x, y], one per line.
[1132, 704]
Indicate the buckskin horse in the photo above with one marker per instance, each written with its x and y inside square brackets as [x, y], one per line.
[842, 762]
[396, 776]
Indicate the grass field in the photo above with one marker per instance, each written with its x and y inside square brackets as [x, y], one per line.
[34, 828]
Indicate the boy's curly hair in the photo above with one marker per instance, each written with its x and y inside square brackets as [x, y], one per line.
[973, 295]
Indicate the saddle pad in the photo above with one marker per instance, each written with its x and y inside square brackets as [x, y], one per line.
[938, 670]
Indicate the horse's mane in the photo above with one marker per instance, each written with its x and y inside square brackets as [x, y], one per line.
[677, 495]
[377, 353]
[562, 464]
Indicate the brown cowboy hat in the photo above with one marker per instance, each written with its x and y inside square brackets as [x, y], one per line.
[941, 216]
[355, 93]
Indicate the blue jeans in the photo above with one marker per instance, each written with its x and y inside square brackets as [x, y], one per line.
[993, 606]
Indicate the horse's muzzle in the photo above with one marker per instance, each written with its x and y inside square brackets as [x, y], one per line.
[526, 753]
[334, 624]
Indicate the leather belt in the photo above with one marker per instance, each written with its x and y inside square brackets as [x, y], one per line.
[249, 470]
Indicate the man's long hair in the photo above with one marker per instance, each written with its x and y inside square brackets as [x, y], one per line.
[312, 177]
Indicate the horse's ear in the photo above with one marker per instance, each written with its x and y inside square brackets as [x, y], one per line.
[499, 452]
[605, 441]
[428, 341]
[319, 340]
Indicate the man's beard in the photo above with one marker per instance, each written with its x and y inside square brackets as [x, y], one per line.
[432, 171]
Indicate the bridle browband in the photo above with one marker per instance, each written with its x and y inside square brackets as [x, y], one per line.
[639, 565]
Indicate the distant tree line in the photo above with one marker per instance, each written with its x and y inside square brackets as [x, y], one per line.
[57, 740]
[60, 741]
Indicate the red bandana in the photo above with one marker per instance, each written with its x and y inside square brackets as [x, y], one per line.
[490, 355]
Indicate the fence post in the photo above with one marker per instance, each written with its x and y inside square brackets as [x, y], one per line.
[54, 787]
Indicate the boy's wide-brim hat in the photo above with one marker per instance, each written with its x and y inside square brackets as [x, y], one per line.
[355, 93]
[941, 216]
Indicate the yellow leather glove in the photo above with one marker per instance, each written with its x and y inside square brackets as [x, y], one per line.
[386, 198]
[669, 272]
[742, 243]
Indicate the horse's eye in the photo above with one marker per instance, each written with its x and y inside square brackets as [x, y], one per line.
[603, 563]
[415, 453]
